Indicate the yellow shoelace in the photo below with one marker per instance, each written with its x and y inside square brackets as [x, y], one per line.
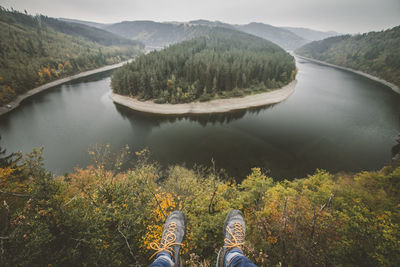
[237, 236]
[168, 242]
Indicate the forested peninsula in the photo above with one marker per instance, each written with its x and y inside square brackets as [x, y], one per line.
[35, 50]
[375, 53]
[222, 64]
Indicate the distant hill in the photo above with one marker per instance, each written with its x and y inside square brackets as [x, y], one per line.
[157, 34]
[376, 53]
[36, 49]
[212, 23]
[223, 63]
[162, 34]
[311, 35]
[282, 37]
[85, 22]
[91, 33]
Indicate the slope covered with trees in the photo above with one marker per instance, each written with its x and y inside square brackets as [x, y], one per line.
[91, 33]
[102, 216]
[223, 63]
[157, 34]
[376, 53]
[284, 38]
[160, 34]
[311, 35]
[36, 49]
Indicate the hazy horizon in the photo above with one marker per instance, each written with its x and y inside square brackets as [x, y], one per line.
[344, 16]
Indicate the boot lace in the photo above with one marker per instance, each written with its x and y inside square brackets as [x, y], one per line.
[167, 242]
[237, 234]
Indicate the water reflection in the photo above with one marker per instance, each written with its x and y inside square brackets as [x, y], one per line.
[89, 79]
[148, 120]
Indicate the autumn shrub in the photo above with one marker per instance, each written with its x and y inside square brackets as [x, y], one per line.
[104, 216]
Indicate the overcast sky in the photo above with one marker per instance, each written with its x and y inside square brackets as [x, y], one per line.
[346, 16]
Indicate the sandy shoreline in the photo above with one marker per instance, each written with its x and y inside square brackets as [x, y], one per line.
[369, 76]
[14, 104]
[214, 106]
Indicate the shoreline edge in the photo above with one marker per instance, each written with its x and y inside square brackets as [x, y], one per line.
[213, 106]
[392, 86]
[15, 103]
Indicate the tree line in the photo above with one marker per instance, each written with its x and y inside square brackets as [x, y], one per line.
[223, 63]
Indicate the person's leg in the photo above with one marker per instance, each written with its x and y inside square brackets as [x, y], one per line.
[234, 232]
[167, 252]
[162, 260]
[237, 259]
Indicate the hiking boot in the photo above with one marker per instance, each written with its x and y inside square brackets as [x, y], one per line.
[172, 236]
[234, 232]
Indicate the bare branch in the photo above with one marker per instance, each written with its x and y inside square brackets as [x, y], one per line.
[158, 203]
[66, 204]
[14, 194]
[317, 213]
[6, 206]
[327, 204]
[127, 243]
[284, 214]
[211, 206]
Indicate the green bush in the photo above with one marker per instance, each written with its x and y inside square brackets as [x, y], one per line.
[100, 216]
[205, 97]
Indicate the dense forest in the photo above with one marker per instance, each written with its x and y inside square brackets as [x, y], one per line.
[376, 53]
[223, 63]
[102, 216]
[36, 49]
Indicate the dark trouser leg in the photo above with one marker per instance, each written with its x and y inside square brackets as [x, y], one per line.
[235, 258]
[162, 260]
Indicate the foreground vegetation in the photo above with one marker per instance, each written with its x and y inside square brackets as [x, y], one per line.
[224, 63]
[107, 217]
[36, 49]
[376, 53]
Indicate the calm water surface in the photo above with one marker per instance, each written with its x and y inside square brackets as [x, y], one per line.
[335, 120]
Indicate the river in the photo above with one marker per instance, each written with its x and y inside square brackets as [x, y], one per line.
[336, 120]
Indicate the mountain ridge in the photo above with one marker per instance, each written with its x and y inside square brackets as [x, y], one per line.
[160, 34]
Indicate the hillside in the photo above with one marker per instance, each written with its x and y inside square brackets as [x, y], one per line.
[156, 34]
[37, 49]
[90, 33]
[224, 63]
[280, 36]
[284, 38]
[84, 22]
[160, 34]
[212, 23]
[376, 53]
[311, 35]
